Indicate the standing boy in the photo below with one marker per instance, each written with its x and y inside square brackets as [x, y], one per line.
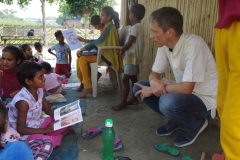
[38, 54]
[131, 53]
[63, 55]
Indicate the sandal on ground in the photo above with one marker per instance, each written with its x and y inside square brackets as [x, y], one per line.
[121, 158]
[92, 132]
[166, 148]
[117, 144]
[218, 156]
[186, 158]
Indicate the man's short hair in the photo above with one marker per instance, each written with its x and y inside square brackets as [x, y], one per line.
[138, 10]
[58, 33]
[168, 17]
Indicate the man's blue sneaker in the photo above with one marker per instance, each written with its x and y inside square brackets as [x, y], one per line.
[186, 138]
[166, 129]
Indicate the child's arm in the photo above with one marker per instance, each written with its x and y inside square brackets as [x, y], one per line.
[130, 41]
[46, 108]
[70, 59]
[83, 39]
[50, 51]
[22, 107]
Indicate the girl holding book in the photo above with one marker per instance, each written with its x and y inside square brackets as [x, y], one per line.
[26, 107]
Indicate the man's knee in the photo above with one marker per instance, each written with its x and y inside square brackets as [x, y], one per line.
[167, 103]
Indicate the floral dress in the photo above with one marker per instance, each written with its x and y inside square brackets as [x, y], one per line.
[33, 119]
[41, 148]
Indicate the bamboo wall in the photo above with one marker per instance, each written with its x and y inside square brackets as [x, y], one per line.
[199, 18]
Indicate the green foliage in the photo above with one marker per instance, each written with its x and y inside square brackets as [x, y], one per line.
[21, 3]
[81, 7]
[73, 8]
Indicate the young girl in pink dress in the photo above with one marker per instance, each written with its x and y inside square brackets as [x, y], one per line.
[26, 107]
[53, 83]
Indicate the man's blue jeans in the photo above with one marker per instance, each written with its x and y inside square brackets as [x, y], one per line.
[186, 111]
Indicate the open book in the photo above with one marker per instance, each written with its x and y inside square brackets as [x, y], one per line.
[67, 115]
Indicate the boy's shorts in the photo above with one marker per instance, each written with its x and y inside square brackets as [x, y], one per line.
[63, 69]
[131, 69]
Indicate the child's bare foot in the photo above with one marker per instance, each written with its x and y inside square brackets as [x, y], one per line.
[80, 88]
[132, 101]
[99, 75]
[63, 92]
[85, 92]
[68, 131]
[119, 107]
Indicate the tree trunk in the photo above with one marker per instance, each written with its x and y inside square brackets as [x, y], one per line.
[44, 22]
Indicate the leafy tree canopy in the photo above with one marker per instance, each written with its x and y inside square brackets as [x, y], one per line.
[81, 7]
[22, 3]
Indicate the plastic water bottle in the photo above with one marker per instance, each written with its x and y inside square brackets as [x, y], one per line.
[108, 140]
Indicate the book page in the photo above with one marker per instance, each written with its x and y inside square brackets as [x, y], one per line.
[67, 115]
[71, 37]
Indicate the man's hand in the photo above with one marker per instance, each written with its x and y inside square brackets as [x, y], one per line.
[158, 87]
[144, 92]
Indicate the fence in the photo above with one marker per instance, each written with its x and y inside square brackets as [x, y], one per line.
[18, 33]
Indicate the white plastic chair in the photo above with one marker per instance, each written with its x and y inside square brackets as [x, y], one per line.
[115, 76]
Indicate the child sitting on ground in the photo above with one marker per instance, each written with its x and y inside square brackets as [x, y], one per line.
[27, 50]
[131, 53]
[63, 55]
[38, 54]
[30, 58]
[12, 57]
[14, 149]
[53, 82]
[11, 150]
[27, 105]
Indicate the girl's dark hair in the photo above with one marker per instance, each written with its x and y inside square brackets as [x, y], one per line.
[24, 46]
[114, 15]
[29, 57]
[95, 20]
[18, 53]
[27, 70]
[46, 66]
[3, 117]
